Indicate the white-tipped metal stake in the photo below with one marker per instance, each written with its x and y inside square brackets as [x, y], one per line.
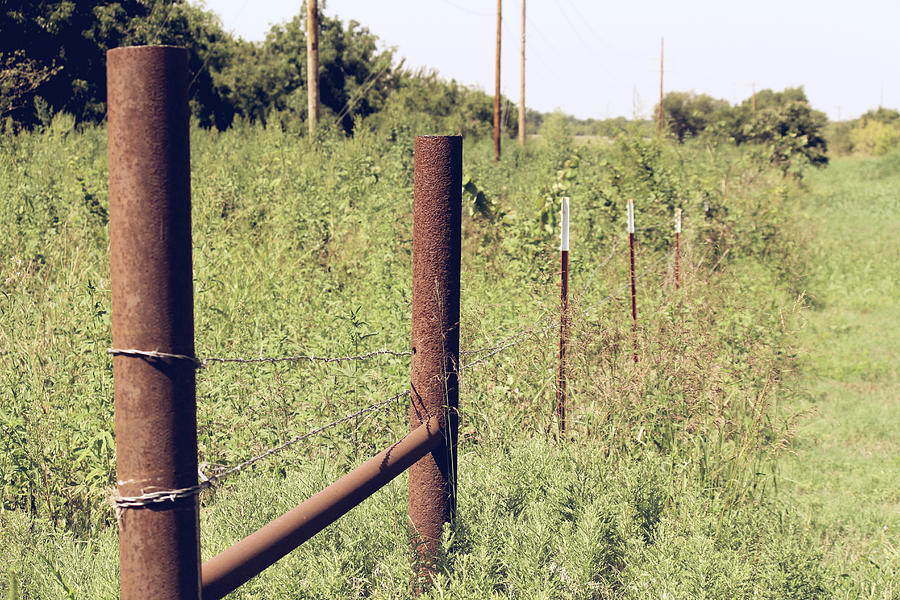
[563, 315]
[631, 216]
[633, 284]
[677, 248]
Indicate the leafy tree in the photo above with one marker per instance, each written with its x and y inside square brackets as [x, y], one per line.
[875, 136]
[888, 116]
[424, 101]
[20, 77]
[269, 80]
[791, 133]
[687, 114]
[68, 40]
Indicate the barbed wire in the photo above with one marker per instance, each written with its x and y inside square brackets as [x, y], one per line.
[301, 357]
[623, 287]
[152, 498]
[596, 269]
[517, 338]
[121, 503]
[202, 363]
[508, 337]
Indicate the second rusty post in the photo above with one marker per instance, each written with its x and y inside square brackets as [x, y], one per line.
[563, 316]
[152, 311]
[437, 234]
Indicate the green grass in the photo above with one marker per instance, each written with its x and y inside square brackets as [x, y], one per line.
[845, 476]
[664, 485]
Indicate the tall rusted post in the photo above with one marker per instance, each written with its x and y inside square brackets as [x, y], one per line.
[437, 218]
[497, 84]
[563, 316]
[152, 310]
[678, 248]
[633, 283]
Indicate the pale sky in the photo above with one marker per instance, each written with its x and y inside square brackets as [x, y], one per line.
[601, 59]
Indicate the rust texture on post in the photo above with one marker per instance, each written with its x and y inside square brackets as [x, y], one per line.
[497, 85]
[633, 296]
[437, 214]
[678, 260]
[152, 309]
[563, 340]
[244, 560]
[633, 283]
[563, 313]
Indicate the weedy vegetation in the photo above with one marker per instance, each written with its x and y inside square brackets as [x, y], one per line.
[666, 483]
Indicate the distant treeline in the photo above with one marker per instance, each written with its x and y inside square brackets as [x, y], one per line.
[782, 120]
[52, 59]
[875, 133]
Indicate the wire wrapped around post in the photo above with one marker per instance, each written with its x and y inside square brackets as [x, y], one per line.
[152, 311]
[434, 376]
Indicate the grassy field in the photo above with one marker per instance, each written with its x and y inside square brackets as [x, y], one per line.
[845, 476]
[670, 482]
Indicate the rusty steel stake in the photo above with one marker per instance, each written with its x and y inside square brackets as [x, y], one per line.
[437, 221]
[152, 309]
[633, 286]
[677, 248]
[563, 317]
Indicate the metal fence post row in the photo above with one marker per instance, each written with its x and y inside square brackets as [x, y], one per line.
[563, 315]
[678, 248]
[437, 223]
[633, 280]
[152, 310]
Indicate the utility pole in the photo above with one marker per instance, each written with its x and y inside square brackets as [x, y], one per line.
[497, 87]
[312, 63]
[659, 117]
[753, 99]
[634, 103]
[522, 133]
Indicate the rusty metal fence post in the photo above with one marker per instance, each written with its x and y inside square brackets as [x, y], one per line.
[678, 248]
[563, 316]
[152, 310]
[633, 282]
[437, 222]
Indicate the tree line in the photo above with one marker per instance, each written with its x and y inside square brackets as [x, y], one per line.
[52, 59]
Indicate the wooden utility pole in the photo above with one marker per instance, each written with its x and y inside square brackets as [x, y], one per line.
[522, 133]
[312, 63]
[497, 87]
[659, 117]
[753, 99]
